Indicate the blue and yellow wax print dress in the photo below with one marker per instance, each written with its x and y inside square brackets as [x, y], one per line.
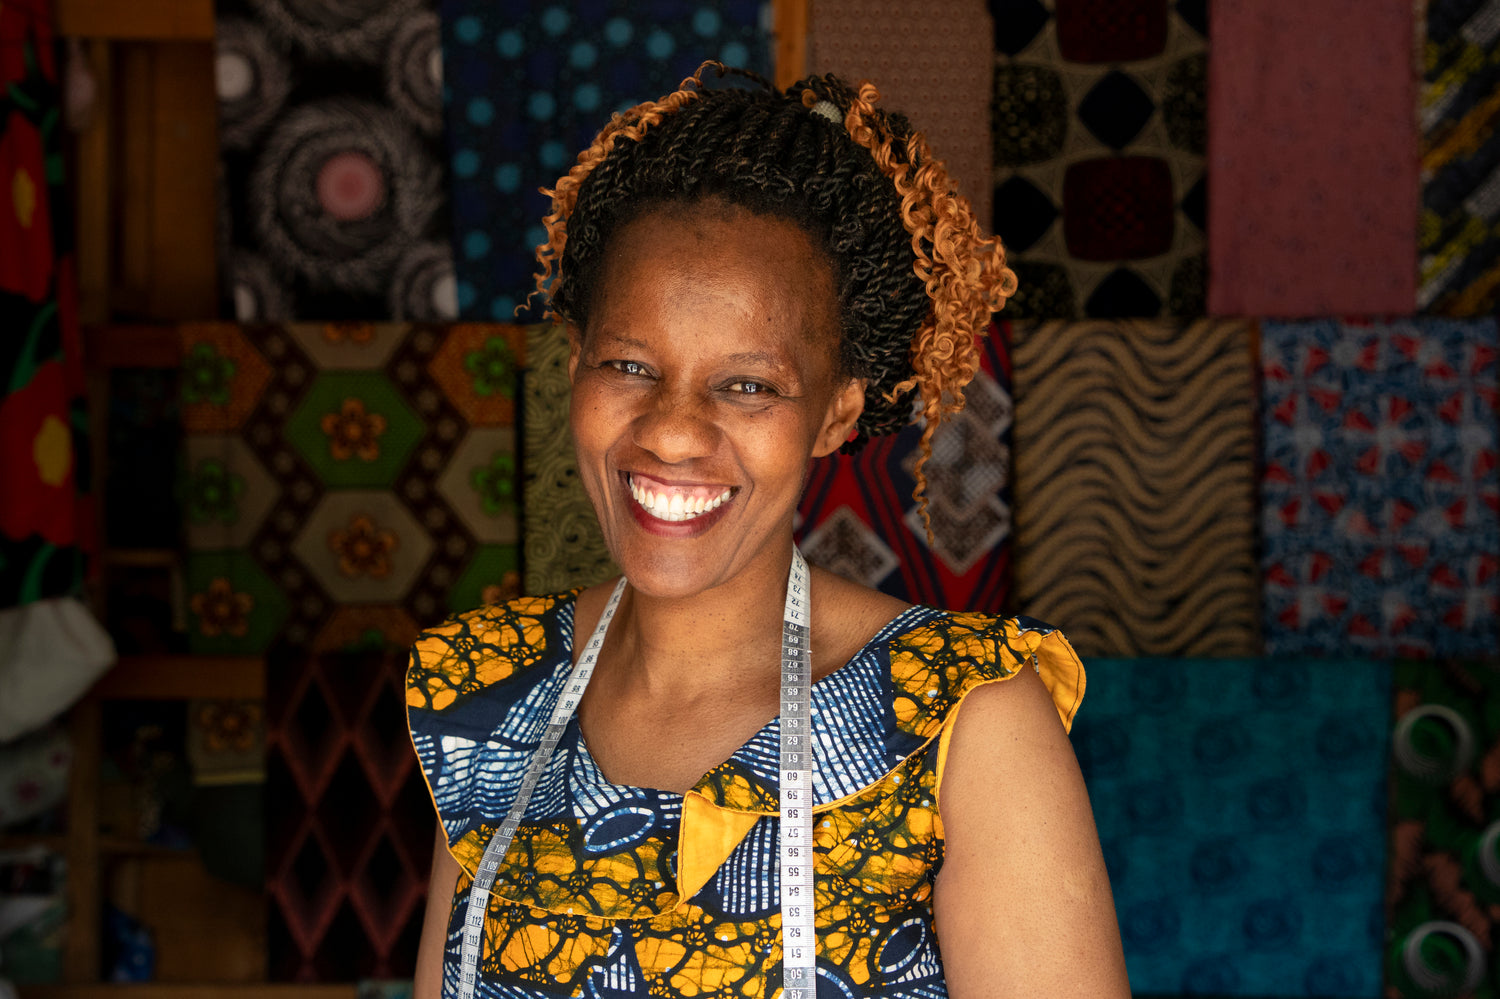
[609, 890]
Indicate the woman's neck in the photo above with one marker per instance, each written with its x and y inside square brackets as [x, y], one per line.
[724, 639]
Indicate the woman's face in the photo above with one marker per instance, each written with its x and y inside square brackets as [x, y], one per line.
[705, 381]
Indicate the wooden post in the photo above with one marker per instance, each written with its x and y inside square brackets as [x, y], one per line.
[85, 893]
[92, 178]
[790, 19]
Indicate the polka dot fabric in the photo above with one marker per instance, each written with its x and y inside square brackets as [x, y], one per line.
[529, 86]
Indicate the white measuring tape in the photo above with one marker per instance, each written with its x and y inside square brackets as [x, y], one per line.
[798, 931]
[799, 952]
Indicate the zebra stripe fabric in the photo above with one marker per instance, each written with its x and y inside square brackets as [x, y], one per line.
[1459, 234]
[1135, 485]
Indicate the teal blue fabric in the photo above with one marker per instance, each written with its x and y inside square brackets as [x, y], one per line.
[1241, 806]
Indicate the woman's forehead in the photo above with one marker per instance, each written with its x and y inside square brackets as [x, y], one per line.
[707, 253]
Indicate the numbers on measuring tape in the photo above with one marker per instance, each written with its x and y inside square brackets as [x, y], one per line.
[797, 918]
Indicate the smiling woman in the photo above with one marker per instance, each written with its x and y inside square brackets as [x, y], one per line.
[708, 374]
[754, 778]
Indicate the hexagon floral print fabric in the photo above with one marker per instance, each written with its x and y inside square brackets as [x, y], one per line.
[347, 483]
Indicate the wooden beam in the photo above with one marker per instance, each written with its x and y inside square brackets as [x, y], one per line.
[790, 20]
[93, 158]
[181, 678]
[182, 280]
[132, 345]
[143, 20]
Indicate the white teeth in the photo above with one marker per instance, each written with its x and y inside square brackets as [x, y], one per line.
[677, 506]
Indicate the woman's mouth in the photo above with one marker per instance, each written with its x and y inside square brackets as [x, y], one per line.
[675, 504]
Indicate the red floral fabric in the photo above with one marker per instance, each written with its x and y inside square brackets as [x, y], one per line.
[44, 513]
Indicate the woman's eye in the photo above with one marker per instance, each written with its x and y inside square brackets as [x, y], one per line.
[751, 388]
[628, 367]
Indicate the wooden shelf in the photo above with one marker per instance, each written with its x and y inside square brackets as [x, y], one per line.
[179, 678]
[132, 345]
[139, 20]
[56, 842]
[141, 558]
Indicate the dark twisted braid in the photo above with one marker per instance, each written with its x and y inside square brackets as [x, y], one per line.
[916, 279]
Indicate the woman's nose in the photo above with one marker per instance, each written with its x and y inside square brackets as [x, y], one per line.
[676, 426]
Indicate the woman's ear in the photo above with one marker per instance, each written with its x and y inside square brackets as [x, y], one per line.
[575, 350]
[844, 410]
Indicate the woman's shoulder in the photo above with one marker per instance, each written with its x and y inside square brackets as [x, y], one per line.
[488, 645]
[944, 655]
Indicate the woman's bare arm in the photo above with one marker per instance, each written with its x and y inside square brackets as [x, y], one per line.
[1022, 905]
[429, 976]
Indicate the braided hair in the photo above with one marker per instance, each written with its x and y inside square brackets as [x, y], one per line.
[916, 279]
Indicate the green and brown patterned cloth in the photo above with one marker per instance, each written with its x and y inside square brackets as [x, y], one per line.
[1443, 883]
[347, 483]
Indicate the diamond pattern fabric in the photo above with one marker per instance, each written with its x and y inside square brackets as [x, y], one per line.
[350, 834]
[858, 517]
[1098, 141]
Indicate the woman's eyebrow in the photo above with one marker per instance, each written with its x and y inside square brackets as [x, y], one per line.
[756, 357]
[618, 340]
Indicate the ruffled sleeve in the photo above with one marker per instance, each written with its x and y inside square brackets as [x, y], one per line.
[469, 689]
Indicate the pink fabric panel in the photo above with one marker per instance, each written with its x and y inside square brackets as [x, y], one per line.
[933, 61]
[1312, 158]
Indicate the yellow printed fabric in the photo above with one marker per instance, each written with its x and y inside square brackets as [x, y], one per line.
[610, 890]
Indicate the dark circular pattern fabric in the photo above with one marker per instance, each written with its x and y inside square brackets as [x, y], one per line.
[1247, 863]
[331, 242]
[332, 160]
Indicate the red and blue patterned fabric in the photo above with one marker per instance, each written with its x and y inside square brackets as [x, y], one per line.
[529, 85]
[1380, 490]
[858, 517]
[45, 522]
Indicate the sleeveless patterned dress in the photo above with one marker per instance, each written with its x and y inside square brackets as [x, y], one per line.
[610, 890]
